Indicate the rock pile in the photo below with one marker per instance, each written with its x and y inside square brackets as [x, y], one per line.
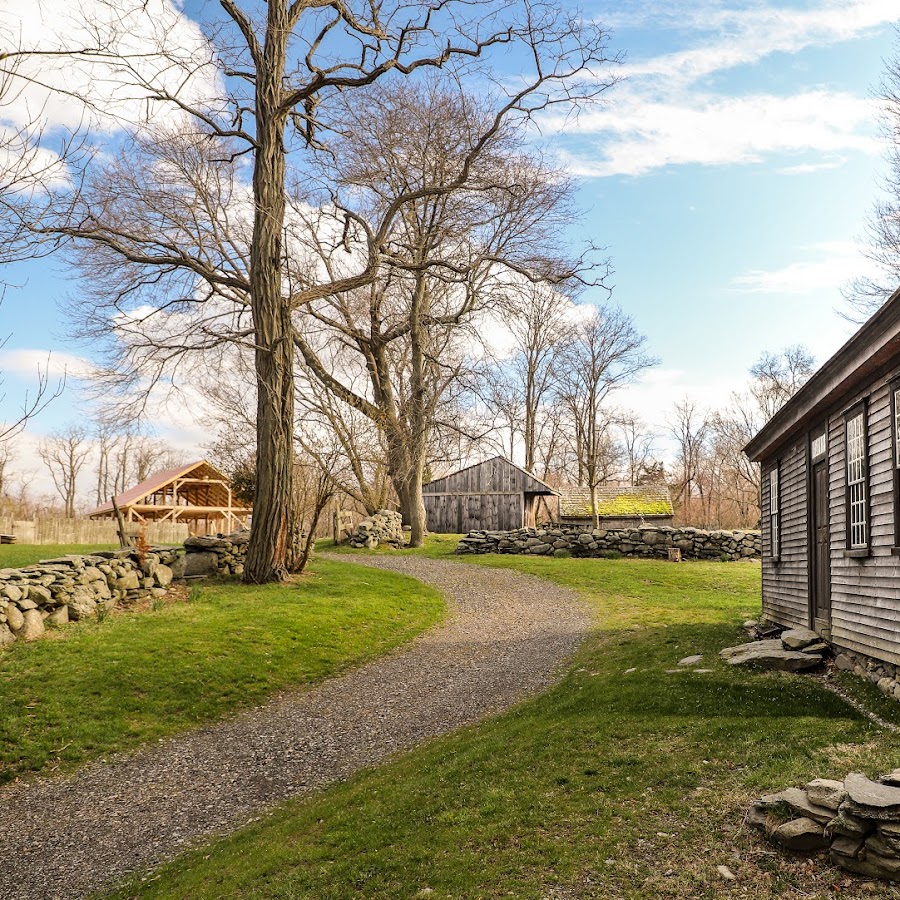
[653, 541]
[885, 676]
[56, 591]
[797, 649]
[384, 527]
[857, 820]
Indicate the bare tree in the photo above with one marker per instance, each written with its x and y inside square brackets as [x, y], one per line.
[605, 353]
[690, 429]
[64, 453]
[288, 72]
[485, 211]
[639, 446]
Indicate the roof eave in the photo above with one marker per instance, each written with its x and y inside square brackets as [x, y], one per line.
[864, 353]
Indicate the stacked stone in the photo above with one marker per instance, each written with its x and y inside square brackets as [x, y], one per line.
[216, 555]
[652, 541]
[885, 676]
[384, 527]
[56, 591]
[857, 820]
[797, 649]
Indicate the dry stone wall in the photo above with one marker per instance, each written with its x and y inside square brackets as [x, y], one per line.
[56, 591]
[384, 527]
[652, 541]
[856, 820]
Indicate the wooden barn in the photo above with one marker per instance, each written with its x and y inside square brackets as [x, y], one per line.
[494, 495]
[831, 496]
[197, 494]
[618, 505]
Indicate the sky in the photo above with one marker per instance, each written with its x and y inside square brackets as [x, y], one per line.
[729, 175]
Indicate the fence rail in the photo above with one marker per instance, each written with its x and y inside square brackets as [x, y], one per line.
[57, 530]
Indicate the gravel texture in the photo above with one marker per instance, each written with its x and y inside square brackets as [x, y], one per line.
[505, 637]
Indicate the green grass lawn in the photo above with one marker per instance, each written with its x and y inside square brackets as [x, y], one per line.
[627, 780]
[103, 686]
[13, 556]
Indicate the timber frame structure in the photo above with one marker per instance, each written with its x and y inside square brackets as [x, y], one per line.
[194, 493]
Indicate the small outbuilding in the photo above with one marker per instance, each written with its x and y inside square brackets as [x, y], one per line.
[495, 495]
[197, 494]
[830, 520]
[618, 505]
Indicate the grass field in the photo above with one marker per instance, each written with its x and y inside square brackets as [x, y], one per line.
[628, 780]
[103, 686]
[13, 556]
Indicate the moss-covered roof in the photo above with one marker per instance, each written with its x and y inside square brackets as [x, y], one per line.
[616, 501]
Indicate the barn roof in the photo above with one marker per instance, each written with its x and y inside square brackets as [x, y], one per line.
[531, 484]
[199, 469]
[618, 500]
[873, 348]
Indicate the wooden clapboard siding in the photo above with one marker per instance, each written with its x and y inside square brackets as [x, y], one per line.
[786, 581]
[866, 592]
[488, 496]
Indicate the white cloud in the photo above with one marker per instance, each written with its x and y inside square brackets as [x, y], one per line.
[638, 135]
[835, 263]
[27, 363]
[749, 34]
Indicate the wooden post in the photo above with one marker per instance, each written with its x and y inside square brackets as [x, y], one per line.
[336, 527]
[123, 538]
[674, 554]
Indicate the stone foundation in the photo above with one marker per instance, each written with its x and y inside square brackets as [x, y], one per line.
[653, 542]
[856, 820]
[886, 676]
[384, 527]
[70, 588]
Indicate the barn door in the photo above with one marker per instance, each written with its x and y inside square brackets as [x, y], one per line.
[820, 556]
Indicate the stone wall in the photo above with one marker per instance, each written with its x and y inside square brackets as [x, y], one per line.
[884, 675]
[384, 527]
[56, 591]
[652, 541]
[856, 820]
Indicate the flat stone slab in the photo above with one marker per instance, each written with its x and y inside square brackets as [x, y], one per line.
[801, 834]
[728, 652]
[690, 660]
[865, 792]
[797, 638]
[774, 660]
[798, 801]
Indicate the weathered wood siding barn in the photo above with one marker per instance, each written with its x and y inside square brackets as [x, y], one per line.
[495, 495]
[831, 496]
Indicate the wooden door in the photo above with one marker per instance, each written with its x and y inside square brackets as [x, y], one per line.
[820, 557]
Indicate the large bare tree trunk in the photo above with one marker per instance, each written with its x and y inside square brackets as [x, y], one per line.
[270, 547]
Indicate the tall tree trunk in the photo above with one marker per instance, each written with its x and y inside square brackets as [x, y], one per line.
[271, 544]
[595, 515]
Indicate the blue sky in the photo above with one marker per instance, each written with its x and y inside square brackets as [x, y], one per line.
[729, 175]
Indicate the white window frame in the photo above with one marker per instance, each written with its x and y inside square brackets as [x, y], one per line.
[775, 510]
[857, 473]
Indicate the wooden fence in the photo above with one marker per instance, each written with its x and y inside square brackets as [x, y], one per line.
[57, 530]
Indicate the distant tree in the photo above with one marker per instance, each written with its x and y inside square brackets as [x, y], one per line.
[689, 427]
[638, 442]
[64, 453]
[604, 353]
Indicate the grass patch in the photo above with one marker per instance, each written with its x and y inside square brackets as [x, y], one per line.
[14, 556]
[627, 780]
[136, 677]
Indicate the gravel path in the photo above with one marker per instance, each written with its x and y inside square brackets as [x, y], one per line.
[506, 637]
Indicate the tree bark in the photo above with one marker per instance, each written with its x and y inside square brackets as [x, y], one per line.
[271, 537]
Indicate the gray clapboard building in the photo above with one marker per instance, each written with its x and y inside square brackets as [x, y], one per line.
[831, 496]
[493, 495]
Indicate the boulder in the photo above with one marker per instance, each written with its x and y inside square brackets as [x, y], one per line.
[204, 563]
[797, 638]
[39, 593]
[59, 616]
[82, 604]
[14, 618]
[33, 626]
[163, 575]
[825, 792]
[7, 638]
[11, 592]
[129, 581]
[801, 834]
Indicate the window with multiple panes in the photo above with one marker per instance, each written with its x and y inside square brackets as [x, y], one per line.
[857, 475]
[775, 512]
